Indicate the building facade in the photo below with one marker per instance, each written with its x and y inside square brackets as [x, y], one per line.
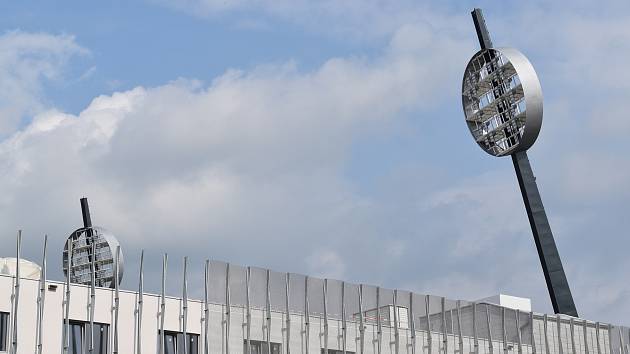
[257, 311]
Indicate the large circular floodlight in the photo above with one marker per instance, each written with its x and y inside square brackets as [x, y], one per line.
[502, 101]
[93, 247]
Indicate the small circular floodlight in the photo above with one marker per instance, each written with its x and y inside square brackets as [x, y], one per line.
[103, 258]
[502, 101]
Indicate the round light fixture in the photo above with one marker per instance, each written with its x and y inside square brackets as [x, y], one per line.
[502, 101]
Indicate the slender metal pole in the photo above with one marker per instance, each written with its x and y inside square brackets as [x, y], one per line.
[597, 340]
[163, 303]
[503, 330]
[444, 331]
[459, 327]
[16, 301]
[531, 329]
[41, 299]
[489, 323]
[343, 317]
[412, 324]
[518, 331]
[379, 329]
[66, 332]
[248, 310]
[545, 328]
[559, 328]
[268, 308]
[306, 316]
[185, 306]
[361, 322]
[325, 291]
[572, 328]
[288, 314]
[92, 295]
[427, 304]
[116, 299]
[206, 310]
[474, 328]
[140, 304]
[228, 309]
[396, 333]
[585, 335]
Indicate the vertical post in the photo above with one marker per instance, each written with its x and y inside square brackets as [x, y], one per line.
[361, 324]
[518, 332]
[474, 328]
[287, 291]
[306, 316]
[248, 311]
[163, 303]
[66, 332]
[531, 329]
[503, 330]
[489, 323]
[140, 304]
[41, 299]
[116, 299]
[572, 328]
[268, 310]
[343, 317]
[185, 306]
[325, 292]
[396, 333]
[597, 340]
[379, 329]
[585, 335]
[228, 309]
[559, 329]
[545, 328]
[444, 335]
[92, 296]
[427, 304]
[412, 324]
[206, 310]
[555, 277]
[459, 327]
[16, 301]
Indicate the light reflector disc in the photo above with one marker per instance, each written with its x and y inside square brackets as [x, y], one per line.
[502, 101]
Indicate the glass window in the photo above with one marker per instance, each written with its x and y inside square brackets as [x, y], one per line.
[4, 323]
[81, 339]
[174, 343]
[260, 347]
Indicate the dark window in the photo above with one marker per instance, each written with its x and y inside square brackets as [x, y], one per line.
[4, 325]
[335, 351]
[260, 347]
[174, 343]
[82, 339]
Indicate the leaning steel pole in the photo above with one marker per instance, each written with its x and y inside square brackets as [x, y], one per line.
[555, 277]
[41, 299]
[16, 299]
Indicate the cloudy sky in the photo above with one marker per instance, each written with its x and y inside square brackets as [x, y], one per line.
[319, 137]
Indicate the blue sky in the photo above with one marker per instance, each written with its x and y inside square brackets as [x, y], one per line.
[238, 130]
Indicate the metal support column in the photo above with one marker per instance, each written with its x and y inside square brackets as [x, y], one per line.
[325, 292]
[343, 317]
[185, 305]
[248, 312]
[396, 333]
[306, 316]
[206, 309]
[489, 323]
[268, 310]
[228, 309]
[116, 299]
[427, 304]
[555, 277]
[379, 326]
[66, 319]
[412, 324]
[361, 322]
[474, 328]
[287, 291]
[459, 328]
[92, 296]
[163, 303]
[41, 299]
[140, 304]
[16, 299]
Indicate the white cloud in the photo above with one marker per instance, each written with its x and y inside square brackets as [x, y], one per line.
[26, 59]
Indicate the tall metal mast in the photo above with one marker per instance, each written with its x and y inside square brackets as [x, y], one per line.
[555, 277]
